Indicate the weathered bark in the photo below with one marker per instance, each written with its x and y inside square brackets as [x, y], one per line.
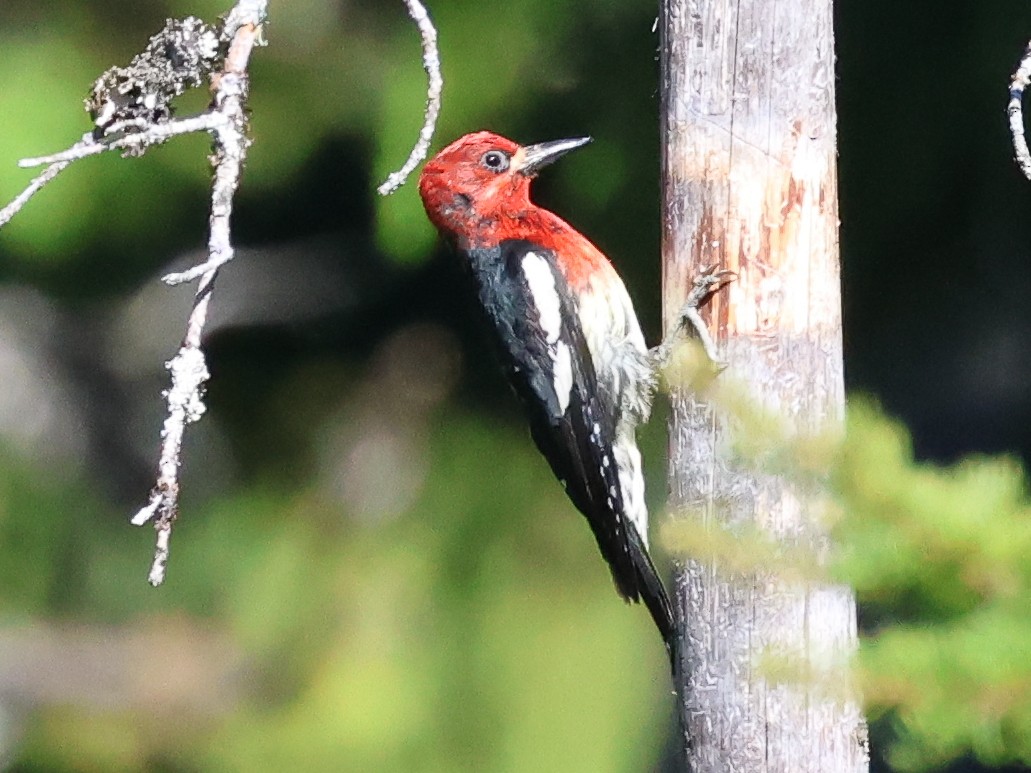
[749, 184]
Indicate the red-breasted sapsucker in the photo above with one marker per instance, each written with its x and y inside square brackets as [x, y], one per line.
[569, 340]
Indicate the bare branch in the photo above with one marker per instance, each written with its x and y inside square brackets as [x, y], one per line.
[188, 368]
[132, 110]
[1016, 114]
[430, 63]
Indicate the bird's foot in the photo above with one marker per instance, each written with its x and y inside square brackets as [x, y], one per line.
[705, 284]
[708, 281]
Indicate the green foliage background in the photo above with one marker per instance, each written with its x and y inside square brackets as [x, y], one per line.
[374, 570]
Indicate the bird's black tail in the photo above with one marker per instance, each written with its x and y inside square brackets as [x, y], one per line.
[656, 599]
[652, 592]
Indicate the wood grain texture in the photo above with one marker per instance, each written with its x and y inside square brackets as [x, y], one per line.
[749, 184]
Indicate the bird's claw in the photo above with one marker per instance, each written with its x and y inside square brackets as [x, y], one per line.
[707, 282]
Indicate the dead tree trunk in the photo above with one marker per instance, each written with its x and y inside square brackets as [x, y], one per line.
[749, 184]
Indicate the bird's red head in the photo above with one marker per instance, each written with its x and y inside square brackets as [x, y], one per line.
[479, 184]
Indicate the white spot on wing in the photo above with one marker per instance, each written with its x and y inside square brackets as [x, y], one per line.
[541, 281]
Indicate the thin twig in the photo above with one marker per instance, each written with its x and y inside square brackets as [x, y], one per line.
[430, 63]
[37, 183]
[33, 187]
[153, 135]
[182, 277]
[1014, 109]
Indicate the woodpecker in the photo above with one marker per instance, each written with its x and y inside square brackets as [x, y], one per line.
[569, 341]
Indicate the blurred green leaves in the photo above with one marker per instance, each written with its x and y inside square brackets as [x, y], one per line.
[942, 559]
[448, 639]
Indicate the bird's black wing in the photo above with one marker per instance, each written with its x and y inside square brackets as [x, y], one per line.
[533, 315]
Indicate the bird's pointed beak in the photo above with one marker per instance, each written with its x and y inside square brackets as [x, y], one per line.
[536, 157]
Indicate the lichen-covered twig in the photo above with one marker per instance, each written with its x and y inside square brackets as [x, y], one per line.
[430, 63]
[1016, 113]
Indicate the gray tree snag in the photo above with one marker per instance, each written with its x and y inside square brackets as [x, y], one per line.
[749, 185]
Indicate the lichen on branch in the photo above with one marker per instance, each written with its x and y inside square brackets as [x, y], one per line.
[176, 59]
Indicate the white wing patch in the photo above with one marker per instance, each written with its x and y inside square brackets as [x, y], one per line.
[541, 281]
[544, 293]
[563, 374]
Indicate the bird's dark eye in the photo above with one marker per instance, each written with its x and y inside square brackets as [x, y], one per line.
[495, 160]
